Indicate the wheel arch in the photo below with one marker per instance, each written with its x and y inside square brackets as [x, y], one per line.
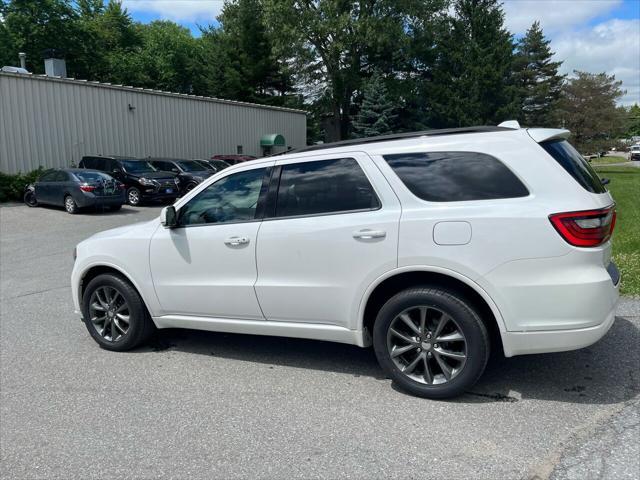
[94, 270]
[397, 280]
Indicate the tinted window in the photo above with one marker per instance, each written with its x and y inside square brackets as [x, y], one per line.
[575, 164]
[61, 176]
[88, 162]
[137, 166]
[47, 176]
[190, 166]
[91, 176]
[164, 166]
[231, 199]
[456, 176]
[323, 187]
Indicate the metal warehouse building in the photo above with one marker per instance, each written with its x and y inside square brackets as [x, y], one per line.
[52, 122]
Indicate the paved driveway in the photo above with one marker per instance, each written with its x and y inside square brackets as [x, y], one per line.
[205, 405]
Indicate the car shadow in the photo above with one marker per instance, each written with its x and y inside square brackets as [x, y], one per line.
[605, 373]
[93, 211]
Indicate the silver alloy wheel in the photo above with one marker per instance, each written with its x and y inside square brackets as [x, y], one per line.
[69, 204]
[109, 313]
[133, 196]
[427, 345]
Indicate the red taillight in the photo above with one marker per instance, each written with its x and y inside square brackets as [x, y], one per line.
[588, 228]
[87, 188]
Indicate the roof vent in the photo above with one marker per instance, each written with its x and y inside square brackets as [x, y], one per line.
[510, 124]
[54, 64]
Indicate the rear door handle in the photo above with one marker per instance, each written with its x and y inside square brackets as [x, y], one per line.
[368, 234]
[235, 241]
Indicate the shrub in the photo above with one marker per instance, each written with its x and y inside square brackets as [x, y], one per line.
[12, 186]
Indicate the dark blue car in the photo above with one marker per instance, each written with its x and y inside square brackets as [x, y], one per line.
[75, 188]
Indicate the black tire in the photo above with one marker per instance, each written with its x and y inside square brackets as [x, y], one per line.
[70, 205]
[465, 320]
[30, 198]
[134, 197]
[140, 328]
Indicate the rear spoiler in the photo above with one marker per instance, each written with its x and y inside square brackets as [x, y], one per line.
[539, 134]
[544, 134]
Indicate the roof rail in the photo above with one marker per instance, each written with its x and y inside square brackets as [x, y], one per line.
[401, 136]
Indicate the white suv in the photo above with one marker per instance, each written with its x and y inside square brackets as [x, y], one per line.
[436, 247]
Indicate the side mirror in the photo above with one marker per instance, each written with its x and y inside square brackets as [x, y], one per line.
[169, 217]
[116, 171]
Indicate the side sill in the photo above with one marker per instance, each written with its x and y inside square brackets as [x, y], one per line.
[312, 331]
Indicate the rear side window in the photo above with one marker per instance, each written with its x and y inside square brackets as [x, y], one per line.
[87, 162]
[91, 176]
[575, 165]
[456, 176]
[324, 186]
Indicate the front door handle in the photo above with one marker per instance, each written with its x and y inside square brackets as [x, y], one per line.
[368, 234]
[235, 241]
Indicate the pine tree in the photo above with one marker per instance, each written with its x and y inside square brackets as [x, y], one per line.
[376, 115]
[536, 78]
[472, 82]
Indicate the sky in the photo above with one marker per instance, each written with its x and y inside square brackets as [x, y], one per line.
[590, 35]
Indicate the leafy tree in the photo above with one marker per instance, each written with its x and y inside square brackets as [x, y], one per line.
[588, 109]
[168, 57]
[239, 58]
[376, 115]
[633, 121]
[333, 46]
[472, 74]
[32, 26]
[536, 78]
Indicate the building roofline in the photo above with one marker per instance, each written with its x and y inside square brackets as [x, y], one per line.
[128, 88]
[401, 136]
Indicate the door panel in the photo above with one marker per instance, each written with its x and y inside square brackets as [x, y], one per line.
[316, 268]
[207, 265]
[196, 273]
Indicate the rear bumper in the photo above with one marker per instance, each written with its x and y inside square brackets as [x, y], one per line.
[523, 343]
[97, 201]
[554, 305]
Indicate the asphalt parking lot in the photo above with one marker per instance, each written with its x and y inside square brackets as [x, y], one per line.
[208, 405]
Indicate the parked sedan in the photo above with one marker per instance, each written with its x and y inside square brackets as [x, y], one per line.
[190, 173]
[74, 189]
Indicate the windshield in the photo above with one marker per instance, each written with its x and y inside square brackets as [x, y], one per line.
[92, 176]
[137, 166]
[190, 166]
[220, 164]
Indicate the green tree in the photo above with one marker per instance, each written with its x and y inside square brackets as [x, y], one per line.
[32, 26]
[168, 57]
[632, 115]
[471, 82]
[376, 115]
[333, 46]
[588, 109]
[239, 59]
[536, 78]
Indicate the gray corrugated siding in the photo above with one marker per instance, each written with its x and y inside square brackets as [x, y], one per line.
[54, 122]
